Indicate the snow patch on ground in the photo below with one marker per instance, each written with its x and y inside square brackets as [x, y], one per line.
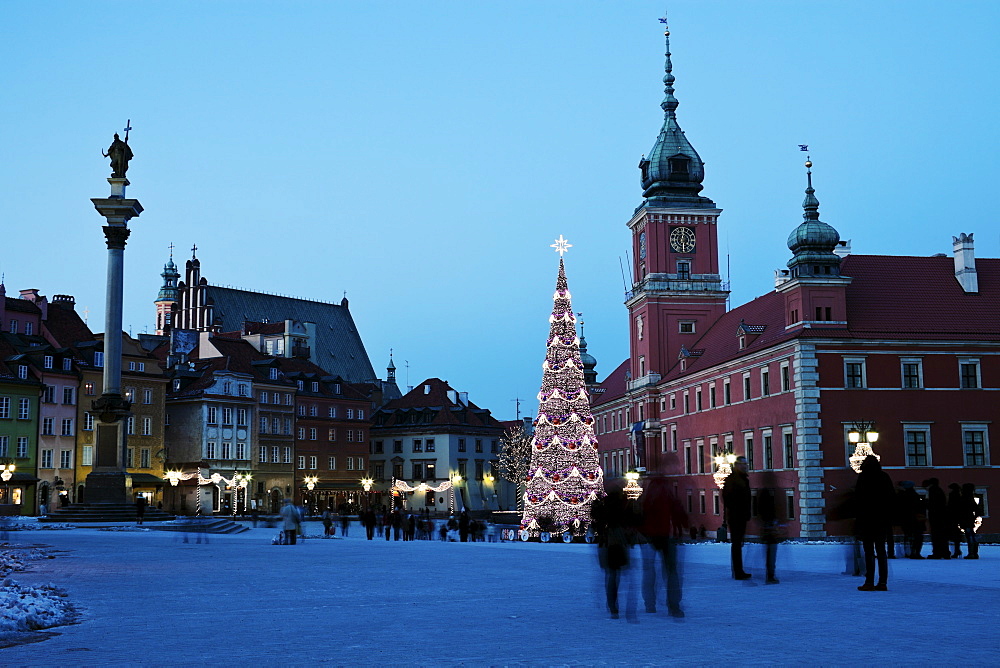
[26, 609]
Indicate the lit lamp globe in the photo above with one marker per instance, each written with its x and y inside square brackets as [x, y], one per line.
[310, 482]
[367, 484]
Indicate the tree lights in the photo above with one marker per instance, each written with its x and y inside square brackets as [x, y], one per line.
[563, 476]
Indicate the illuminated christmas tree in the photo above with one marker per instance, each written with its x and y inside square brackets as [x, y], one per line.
[564, 477]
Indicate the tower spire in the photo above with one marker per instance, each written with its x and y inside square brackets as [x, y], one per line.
[813, 241]
[673, 171]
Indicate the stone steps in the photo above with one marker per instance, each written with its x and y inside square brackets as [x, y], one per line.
[102, 512]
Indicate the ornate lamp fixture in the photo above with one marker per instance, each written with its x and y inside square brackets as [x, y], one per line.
[632, 489]
[863, 435]
[724, 466]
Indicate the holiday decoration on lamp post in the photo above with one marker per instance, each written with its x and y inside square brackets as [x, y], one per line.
[724, 467]
[564, 476]
[863, 435]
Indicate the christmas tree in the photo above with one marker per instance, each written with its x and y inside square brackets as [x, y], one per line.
[564, 476]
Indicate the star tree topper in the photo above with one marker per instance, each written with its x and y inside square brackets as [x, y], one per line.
[561, 245]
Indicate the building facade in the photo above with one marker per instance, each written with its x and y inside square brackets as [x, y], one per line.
[433, 435]
[909, 344]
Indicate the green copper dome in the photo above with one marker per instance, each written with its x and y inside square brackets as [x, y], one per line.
[673, 171]
[813, 241]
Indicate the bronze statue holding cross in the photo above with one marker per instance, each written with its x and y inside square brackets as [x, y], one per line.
[120, 154]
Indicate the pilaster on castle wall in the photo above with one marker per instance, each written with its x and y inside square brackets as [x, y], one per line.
[808, 440]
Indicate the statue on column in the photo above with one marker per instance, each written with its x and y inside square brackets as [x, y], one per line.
[120, 154]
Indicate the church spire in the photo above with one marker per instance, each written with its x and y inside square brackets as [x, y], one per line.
[168, 296]
[673, 172]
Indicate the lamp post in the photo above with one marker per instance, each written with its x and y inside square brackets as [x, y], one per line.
[632, 489]
[7, 472]
[240, 482]
[724, 467]
[456, 480]
[310, 481]
[366, 484]
[863, 434]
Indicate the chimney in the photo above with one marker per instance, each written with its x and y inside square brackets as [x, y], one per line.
[67, 301]
[781, 276]
[453, 396]
[965, 262]
[463, 398]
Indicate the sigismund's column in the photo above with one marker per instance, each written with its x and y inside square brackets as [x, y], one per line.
[109, 482]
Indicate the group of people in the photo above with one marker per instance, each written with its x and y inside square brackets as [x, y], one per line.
[951, 520]
[654, 522]
[392, 524]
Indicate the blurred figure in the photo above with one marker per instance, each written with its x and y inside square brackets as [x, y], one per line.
[967, 520]
[736, 498]
[770, 527]
[913, 518]
[663, 518]
[874, 497]
[614, 523]
[291, 520]
[937, 517]
[955, 519]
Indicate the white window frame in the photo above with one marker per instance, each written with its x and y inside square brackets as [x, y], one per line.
[903, 361]
[787, 447]
[925, 428]
[962, 361]
[785, 371]
[65, 459]
[864, 373]
[982, 427]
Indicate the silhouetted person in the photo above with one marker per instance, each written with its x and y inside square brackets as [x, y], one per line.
[140, 509]
[613, 521]
[463, 526]
[874, 496]
[937, 517]
[913, 518]
[662, 517]
[955, 518]
[368, 519]
[736, 497]
[967, 519]
[770, 529]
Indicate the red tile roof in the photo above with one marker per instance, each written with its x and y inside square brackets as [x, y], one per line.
[437, 397]
[614, 385]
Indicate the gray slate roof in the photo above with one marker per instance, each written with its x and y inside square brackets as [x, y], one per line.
[339, 349]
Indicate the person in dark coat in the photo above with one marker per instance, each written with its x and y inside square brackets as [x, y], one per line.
[955, 518]
[140, 509]
[770, 530]
[463, 526]
[874, 497]
[736, 497]
[662, 516]
[913, 518]
[368, 519]
[967, 519]
[937, 517]
[613, 521]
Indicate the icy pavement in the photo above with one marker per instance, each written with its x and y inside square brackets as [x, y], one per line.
[147, 598]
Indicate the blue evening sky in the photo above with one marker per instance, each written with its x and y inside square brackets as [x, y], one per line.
[423, 156]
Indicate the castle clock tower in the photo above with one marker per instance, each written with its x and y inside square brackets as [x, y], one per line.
[678, 291]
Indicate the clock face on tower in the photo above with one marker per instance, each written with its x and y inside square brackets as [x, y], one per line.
[682, 240]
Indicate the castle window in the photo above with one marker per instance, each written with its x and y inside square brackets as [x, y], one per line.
[854, 373]
[969, 373]
[918, 448]
[685, 327]
[683, 270]
[912, 373]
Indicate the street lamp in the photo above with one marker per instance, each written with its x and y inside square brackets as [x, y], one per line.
[632, 489]
[724, 467]
[240, 482]
[7, 472]
[863, 435]
[310, 481]
[367, 483]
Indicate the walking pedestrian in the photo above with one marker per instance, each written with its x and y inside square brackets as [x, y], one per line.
[736, 498]
[290, 521]
[140, 509]
[770, 531]
[463, 526]
[614, 523]
[967, 520]
[937, 517]
[874, 497]
[955, 504]
[662, 518]
[914, 519]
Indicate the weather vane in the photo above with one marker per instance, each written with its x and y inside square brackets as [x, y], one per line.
[561, 245]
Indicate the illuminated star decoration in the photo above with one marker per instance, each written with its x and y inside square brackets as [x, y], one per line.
[561, 245]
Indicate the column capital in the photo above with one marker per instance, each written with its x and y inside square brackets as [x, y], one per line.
[116, 236]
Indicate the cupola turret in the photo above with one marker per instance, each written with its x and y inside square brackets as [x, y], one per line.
[812, 243]
[673, 171]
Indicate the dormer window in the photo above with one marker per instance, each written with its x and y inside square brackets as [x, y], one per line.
[273, 374]
[679, 166]
[48, 360]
